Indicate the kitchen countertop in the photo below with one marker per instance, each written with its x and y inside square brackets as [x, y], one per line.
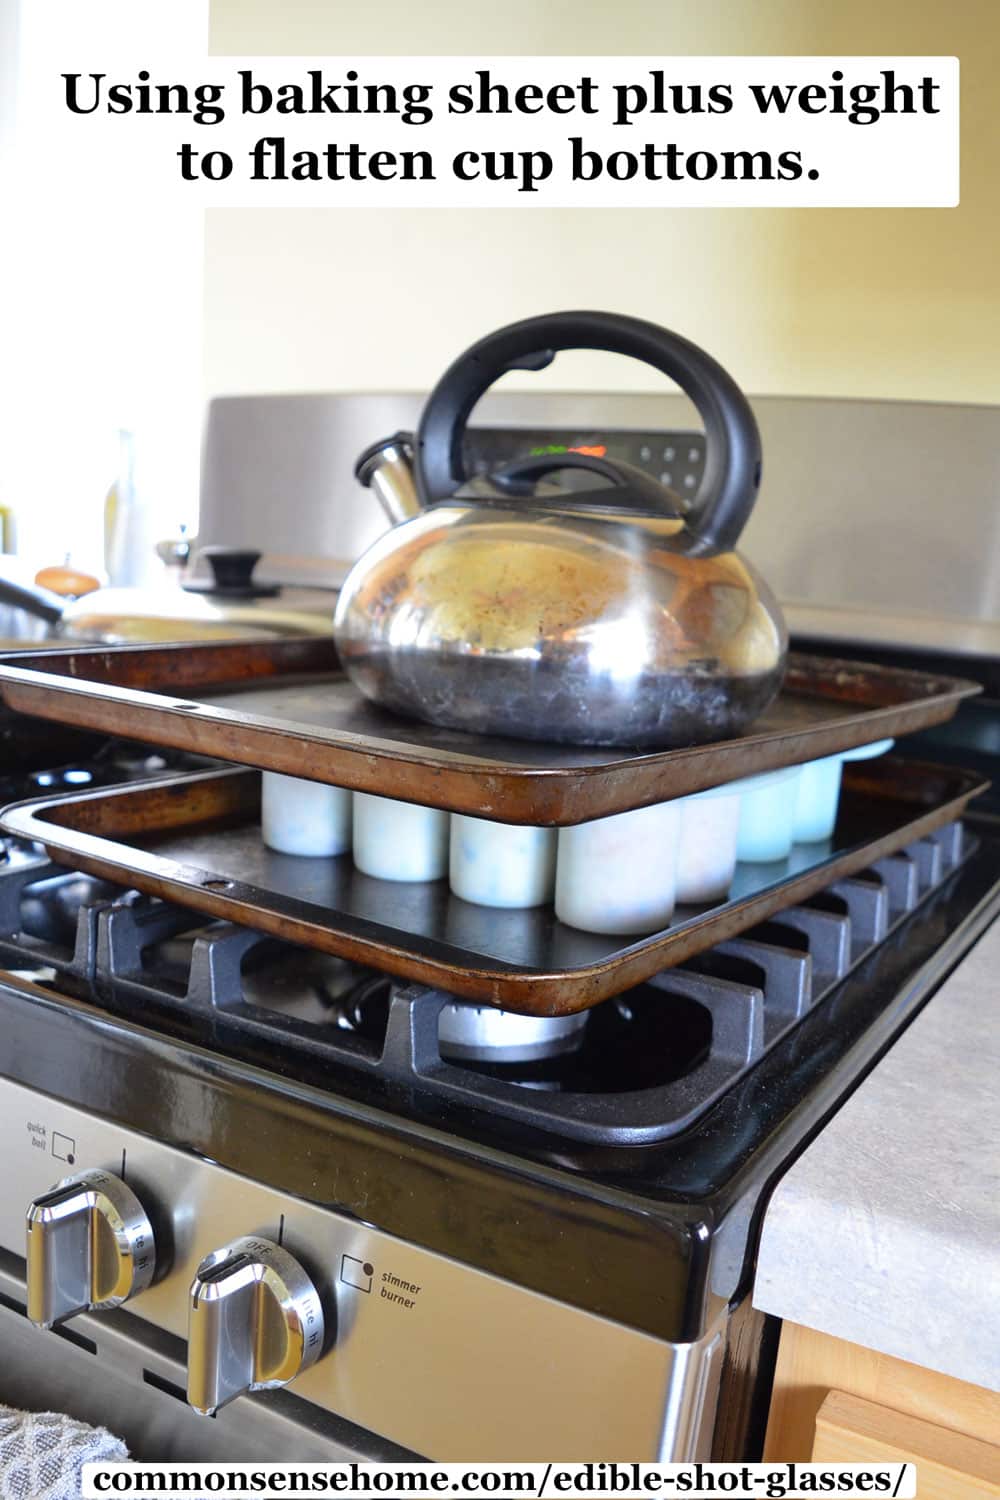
[886, 1232]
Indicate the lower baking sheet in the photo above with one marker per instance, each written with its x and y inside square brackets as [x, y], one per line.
[195, 839]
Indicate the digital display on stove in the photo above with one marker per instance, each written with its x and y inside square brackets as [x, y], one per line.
[595, 450]
[676, 459]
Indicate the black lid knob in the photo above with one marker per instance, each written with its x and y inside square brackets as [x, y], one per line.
[232, 570]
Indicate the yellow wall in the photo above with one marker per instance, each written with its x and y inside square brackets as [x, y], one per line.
[901, 303]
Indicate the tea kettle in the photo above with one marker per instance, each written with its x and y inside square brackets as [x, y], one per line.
[615, 614]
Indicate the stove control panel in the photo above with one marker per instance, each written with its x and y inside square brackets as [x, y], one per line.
[268, 1289]
[255, 1321]
[89, 1246]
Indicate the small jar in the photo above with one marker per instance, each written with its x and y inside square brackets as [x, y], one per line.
[706, 844]
[501, 864]
[767, 815]
[399, 840]
[617, 874]
[304, 817]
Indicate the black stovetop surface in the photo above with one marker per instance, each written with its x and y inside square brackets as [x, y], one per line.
[123, 1013]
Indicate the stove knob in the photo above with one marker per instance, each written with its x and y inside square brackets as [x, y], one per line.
[89, 1245]
[255, 1321]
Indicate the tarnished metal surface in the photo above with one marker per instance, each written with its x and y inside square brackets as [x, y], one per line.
[567, 597]
[287, 706]
[577, 628]
[195, 839]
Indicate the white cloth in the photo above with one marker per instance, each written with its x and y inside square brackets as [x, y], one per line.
[42, 1454]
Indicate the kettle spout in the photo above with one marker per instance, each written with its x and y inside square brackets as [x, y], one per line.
[386, 468]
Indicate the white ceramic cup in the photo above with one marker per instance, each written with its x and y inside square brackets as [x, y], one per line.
[617, 874]
[819, 791]
[501, 864]
[304, 817]
[767, 815]
[399, 840]
[706, 843]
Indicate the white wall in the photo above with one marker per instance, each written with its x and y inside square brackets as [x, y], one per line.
[100, 313]
[901, 303]
[9, 18]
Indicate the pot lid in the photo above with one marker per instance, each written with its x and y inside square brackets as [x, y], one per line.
[169, 613]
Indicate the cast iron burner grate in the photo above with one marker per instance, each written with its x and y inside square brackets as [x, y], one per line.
[639, 1068]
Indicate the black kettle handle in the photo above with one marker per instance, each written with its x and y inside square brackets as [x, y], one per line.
[729, 484]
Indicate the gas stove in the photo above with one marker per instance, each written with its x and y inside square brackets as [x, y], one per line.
[495, 1238]
[520, 1237]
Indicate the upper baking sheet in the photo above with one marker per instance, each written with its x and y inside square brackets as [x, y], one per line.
[287, 706]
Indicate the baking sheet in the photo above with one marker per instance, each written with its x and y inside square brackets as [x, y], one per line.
[195, 839]
[287, 706]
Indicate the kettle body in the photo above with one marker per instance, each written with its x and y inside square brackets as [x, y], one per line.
[606, 615]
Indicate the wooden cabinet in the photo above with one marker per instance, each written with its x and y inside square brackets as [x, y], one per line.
[840, 1403]
[950, 1465]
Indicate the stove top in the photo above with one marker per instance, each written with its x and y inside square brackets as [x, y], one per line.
[637, 1069]
[646, 1128]
[601, 1175]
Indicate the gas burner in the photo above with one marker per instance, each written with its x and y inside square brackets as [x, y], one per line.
[111, 764]
[50, 909]
[641, 1067]
[315, 988]
[484, 1034]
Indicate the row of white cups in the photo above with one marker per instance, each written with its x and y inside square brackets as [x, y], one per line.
[618, 875]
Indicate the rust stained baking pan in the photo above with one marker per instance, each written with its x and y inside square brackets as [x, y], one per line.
[287, 706]
[195, 839]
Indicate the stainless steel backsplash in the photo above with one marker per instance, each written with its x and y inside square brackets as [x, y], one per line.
[869, 510]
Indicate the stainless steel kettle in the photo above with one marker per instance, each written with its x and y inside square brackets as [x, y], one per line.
[616, 614]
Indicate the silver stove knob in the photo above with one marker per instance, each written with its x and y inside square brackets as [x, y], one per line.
[255, 1321]
[89, 1246]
